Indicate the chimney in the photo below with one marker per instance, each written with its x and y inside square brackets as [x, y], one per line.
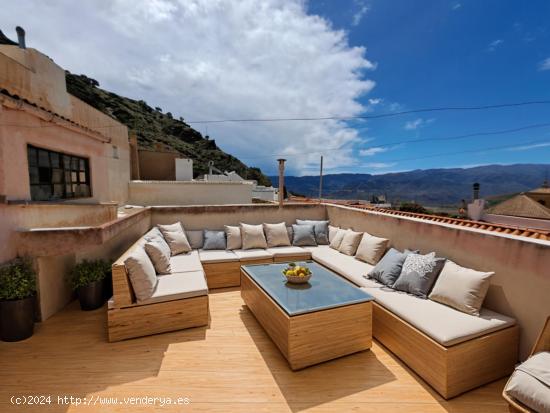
[476, 191]
[281, 181]
[21, 37]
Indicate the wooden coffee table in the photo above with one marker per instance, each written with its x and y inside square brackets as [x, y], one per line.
[310, 323]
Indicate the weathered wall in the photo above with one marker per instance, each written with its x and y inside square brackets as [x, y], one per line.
[215, 217]
[54, 292]
[15, 217]
[189, 193]
[157, 166]
[521, 285]
[521, 222]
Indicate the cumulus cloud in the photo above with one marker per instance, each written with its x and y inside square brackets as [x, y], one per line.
[215, 59]
[545, 64]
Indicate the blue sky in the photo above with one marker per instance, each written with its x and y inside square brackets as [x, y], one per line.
[226, 59]
[434, 53]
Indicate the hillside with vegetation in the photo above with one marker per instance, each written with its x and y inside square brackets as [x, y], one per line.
[152, 126]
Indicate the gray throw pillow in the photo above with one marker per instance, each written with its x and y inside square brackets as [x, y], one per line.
[214, 240]
[304, 235]
[419, 273]
[389, 267]
[319, 227]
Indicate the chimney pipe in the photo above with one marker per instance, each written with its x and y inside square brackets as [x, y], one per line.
[476, 191]
[21, 37]
[281, 181]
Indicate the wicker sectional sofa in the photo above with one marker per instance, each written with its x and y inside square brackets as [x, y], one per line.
[454, 352]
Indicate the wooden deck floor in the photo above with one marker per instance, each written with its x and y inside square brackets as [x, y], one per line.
[232, 366]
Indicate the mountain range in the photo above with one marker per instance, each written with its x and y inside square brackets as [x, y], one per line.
[430, 187]
[152, 126]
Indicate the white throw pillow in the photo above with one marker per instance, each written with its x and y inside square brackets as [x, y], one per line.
[350, 242]
[337, 238]
[371, 248]
[175, 237]
[159, 253]
[233, 235]
[253, 236]
[142, 274]
[276, 235]
[332, 232]
[461, 288]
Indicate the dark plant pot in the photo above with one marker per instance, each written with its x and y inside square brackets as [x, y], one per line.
[91, 296]
[17, 319]
[108, 286]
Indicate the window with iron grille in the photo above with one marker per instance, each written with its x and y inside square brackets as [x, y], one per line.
[56, 175]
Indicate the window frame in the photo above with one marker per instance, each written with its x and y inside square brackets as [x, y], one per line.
[55, 175]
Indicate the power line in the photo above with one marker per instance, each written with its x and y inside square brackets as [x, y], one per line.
[395, 143]
[381, 115]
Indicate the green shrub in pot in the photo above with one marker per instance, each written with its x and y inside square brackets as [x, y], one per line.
[88, 280]
[17, 299]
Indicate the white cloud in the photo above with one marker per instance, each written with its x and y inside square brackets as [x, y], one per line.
[373, 151]
[375, 101]
[456, 6]
[360, 13]
[545, 64]
[418, 123]
[378, 165]
[494, 44]
[528, 147]
[214, 59]
[413, 124]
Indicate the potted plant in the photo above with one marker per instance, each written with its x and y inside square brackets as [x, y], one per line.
[88, 280]
[17, 298]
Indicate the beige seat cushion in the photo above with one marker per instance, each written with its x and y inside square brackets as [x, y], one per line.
[461, 288]
[348, 267]
[159, 253]
[178, 286]
[253, 236]
[289, 252]
[276, 235]
[443, 324]
[371, 248]
[234, 239]
[175, 237]
[350, 242]
[253, 254]
[211, 256]
[186, 262]
[337, 238]
[142, 273]
[195, 238]
[530, 383]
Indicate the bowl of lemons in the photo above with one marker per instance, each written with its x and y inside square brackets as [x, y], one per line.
[297, 274]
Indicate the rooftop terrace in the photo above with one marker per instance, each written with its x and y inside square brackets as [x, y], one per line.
[231, 365]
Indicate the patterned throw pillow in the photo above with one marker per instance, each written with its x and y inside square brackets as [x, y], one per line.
[419, 273]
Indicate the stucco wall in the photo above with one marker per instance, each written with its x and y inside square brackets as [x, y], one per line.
[15, 217]
[157, 166]
[521, 222]
[189, 193]
[53, 289]
[215, 217]
[521, 284]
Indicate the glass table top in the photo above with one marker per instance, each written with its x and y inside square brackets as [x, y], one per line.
[324, 290]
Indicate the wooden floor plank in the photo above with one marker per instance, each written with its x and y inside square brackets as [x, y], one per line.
[229, 366]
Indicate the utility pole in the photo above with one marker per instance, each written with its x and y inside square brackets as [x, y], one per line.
[321, 180]
[281, 181]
